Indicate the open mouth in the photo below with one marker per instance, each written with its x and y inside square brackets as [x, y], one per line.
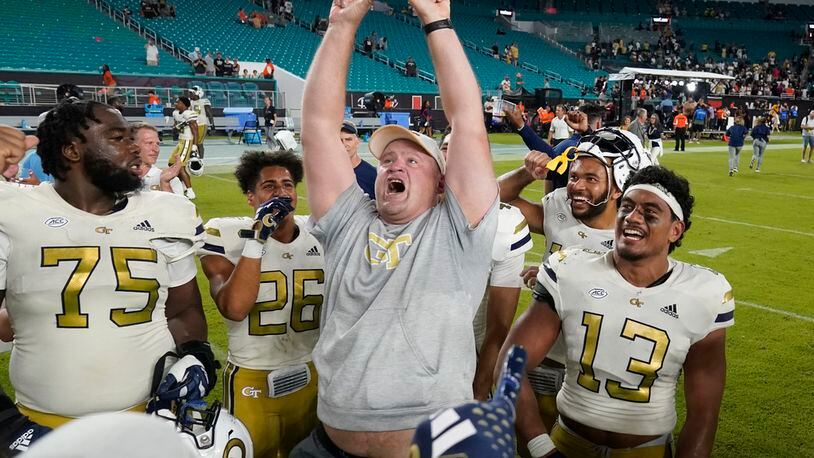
[633, 234]
[580, 200]
[395, 186]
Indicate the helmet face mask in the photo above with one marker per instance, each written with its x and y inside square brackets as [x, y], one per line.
[620, 150]
[210, 431]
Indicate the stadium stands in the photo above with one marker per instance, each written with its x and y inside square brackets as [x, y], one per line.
[77, 42]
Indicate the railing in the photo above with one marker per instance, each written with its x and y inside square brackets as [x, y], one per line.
[143, 31]
[135, 96]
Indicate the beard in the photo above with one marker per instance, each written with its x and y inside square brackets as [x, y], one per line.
[110, 178]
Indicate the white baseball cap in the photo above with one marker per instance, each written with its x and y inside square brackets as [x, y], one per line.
[385, 135]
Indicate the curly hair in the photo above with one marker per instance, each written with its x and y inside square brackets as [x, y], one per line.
[61, 126]
[677, 185]
[252, 162]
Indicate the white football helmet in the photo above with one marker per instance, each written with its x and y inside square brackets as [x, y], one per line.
[620, 150]
[211, 432]
[198, 91]
[195, 165]
[285, 140]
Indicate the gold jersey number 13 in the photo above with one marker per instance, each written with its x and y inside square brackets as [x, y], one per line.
[86, 259]
[592, 322]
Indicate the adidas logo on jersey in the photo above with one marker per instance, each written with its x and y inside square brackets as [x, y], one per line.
[144, 226]
[671, 310]
[608, 244]
[313, 251]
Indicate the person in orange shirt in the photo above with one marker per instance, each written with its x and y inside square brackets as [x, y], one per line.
[107, 76]
[152, 98]
[546, 116]
[680, 126]
[268, 70]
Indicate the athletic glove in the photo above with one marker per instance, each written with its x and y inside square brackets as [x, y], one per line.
[18, 432]
[189, 380]
[267, 218]
[476, 429]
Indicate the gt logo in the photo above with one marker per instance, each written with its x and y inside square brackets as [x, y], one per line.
[103, 230]
[387, 250]
[287, 255]
[251, 392]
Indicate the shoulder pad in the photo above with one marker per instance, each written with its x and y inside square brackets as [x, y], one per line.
[512, 237]
[221, 237]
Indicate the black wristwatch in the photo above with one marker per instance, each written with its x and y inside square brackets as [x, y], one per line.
[437, 25]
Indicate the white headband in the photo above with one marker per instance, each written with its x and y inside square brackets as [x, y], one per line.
[662, 193]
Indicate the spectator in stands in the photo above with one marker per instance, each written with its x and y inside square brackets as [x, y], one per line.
[195, 54]
[365, 173]
[518, 81]
[288, 9]
[807, 126]
[107, 78]
[210, 64]
[255, 74]
[410, 68]
[246, 74]
[382, 44]
[639, 127]
[228, 67]
[515, 52]
[242, 17]
[199, 65]
[152, 53]
[559, 130]
[149, 9]
[367, 46]
[506, 85]
[680, 128]
[760, 139]
[268, 70]
[496, 51]
[152, 98]
[270, 117]
[219, 63]
[737, 135]
[235, 67]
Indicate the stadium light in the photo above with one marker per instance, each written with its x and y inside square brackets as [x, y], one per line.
[691, 86]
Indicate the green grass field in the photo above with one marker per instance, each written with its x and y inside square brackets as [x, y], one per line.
[767, 221]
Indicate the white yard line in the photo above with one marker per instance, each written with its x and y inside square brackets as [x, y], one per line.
[767, 308]
[759, 226]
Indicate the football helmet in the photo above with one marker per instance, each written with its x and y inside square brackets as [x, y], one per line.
[476, 429]
[198, 91]
[211, 432]
[285, 140]
[621, 152]
[195, 165]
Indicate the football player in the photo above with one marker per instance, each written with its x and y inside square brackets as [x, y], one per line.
[203, 110]
[186, 122]
[633, 319]
[581, 214]
[154, 179]
[99, 282]
[499, 304]
[269, 288]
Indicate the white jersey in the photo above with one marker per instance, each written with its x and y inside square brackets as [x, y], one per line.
[86, 293]
[562, 230]
[626, 345]
[182, 121]
[152, 182]
[512, 241]
[198, 106]
[283, 326]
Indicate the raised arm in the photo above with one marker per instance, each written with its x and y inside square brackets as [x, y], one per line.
[328, 170]
[469, 170]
